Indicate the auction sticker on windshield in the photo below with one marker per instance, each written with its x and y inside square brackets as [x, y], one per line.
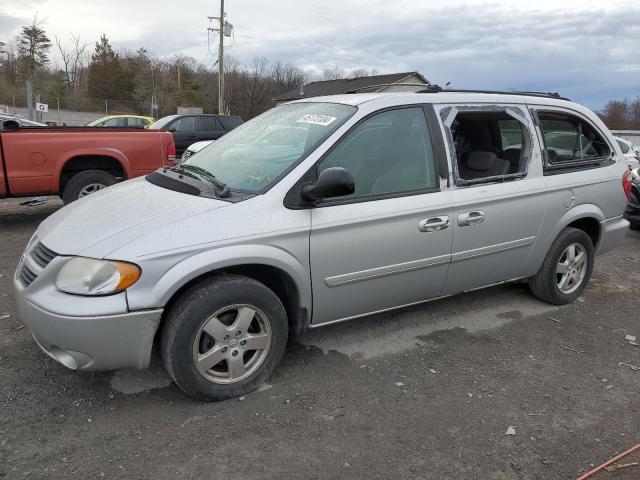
[323, 120]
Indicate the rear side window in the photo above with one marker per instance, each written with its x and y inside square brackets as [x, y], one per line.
[208, 124]
[570, 140]
[490, 143]
[230, 123]
[623, 146]
[138, 122]
[115, 122]
[387, 153]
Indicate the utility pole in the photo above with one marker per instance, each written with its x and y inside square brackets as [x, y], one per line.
[221, 62]
[38, 112]
[224, 30]
[29, 100]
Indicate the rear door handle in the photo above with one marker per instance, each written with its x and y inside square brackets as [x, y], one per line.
[433, 224]
[470, 218]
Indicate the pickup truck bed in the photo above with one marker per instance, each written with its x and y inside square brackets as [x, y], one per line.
[74, 161]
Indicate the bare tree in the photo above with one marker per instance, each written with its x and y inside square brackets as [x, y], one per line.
[333, 73]
[362, 72]
[73, 58]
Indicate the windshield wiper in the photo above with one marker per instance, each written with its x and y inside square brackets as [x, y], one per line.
[203, 172]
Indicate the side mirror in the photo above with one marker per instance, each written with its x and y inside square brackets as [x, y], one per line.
[171, 129]
[332, 182]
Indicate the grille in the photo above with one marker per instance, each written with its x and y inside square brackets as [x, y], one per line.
[34, 262]
[42, 255]
[27, 276]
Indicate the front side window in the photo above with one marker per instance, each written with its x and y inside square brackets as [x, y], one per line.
[389, 152]
[253, 156]
[569, 139]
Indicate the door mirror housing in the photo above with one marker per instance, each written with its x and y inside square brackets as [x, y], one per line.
[332, 182]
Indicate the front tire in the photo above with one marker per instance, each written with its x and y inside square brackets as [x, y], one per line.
[224, 337]
[566, 269]
[85, 183]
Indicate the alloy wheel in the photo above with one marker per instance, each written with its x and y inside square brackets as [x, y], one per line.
[232, 343]
[571, 268]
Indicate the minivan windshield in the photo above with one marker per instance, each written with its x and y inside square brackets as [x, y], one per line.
[256, 154]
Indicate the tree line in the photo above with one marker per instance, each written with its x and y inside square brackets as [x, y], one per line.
[622, 114]
[94, 77]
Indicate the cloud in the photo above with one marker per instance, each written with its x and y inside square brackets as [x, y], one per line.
[588, 53]
[585, 49]
[8, 24]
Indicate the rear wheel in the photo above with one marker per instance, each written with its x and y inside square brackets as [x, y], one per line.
[224, 337]
[566, 269]
[85, 183]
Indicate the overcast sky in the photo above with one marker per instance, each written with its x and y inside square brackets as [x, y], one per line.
[587, 50]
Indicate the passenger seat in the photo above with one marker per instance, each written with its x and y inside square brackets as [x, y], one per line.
[483, 165]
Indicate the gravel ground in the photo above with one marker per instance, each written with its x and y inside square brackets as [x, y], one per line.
[423, 393]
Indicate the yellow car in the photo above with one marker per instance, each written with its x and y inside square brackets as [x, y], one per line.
[122, 121]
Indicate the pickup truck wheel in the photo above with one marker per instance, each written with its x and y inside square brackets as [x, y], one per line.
[566, 269]
[85, 183]
[224, 337]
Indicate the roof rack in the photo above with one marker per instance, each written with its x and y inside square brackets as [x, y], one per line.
[437, 89]
[433, 88]
[382, 85]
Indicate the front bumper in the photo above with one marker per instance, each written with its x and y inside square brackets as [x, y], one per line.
[82, 333]
[109, 342]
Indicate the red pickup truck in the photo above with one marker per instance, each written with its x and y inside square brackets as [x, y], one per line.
[75, 161]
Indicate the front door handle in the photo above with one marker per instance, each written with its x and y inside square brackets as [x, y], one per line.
[470, 218]
[433, 224]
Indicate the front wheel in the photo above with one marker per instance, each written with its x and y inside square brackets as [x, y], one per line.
[566, 269]
[224, 337]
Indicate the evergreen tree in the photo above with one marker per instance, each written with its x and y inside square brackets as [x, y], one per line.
[33, 48]
[107, 78]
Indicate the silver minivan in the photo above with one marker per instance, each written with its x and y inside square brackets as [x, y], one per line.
[316, 212]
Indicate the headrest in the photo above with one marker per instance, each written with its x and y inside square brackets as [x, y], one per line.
[482, 161]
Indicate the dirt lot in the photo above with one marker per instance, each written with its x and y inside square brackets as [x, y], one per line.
[424, 393]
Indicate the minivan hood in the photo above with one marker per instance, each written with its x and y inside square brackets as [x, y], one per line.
[97, 225]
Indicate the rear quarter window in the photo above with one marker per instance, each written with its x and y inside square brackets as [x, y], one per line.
[571, 141]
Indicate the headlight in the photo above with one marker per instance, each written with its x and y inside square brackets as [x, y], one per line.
[89, 276]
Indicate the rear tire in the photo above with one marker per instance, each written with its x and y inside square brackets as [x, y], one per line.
[224, 337]
[562, 279]
[85, 183]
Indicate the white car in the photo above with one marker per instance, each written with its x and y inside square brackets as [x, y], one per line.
[195, 148]
[630, 152]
